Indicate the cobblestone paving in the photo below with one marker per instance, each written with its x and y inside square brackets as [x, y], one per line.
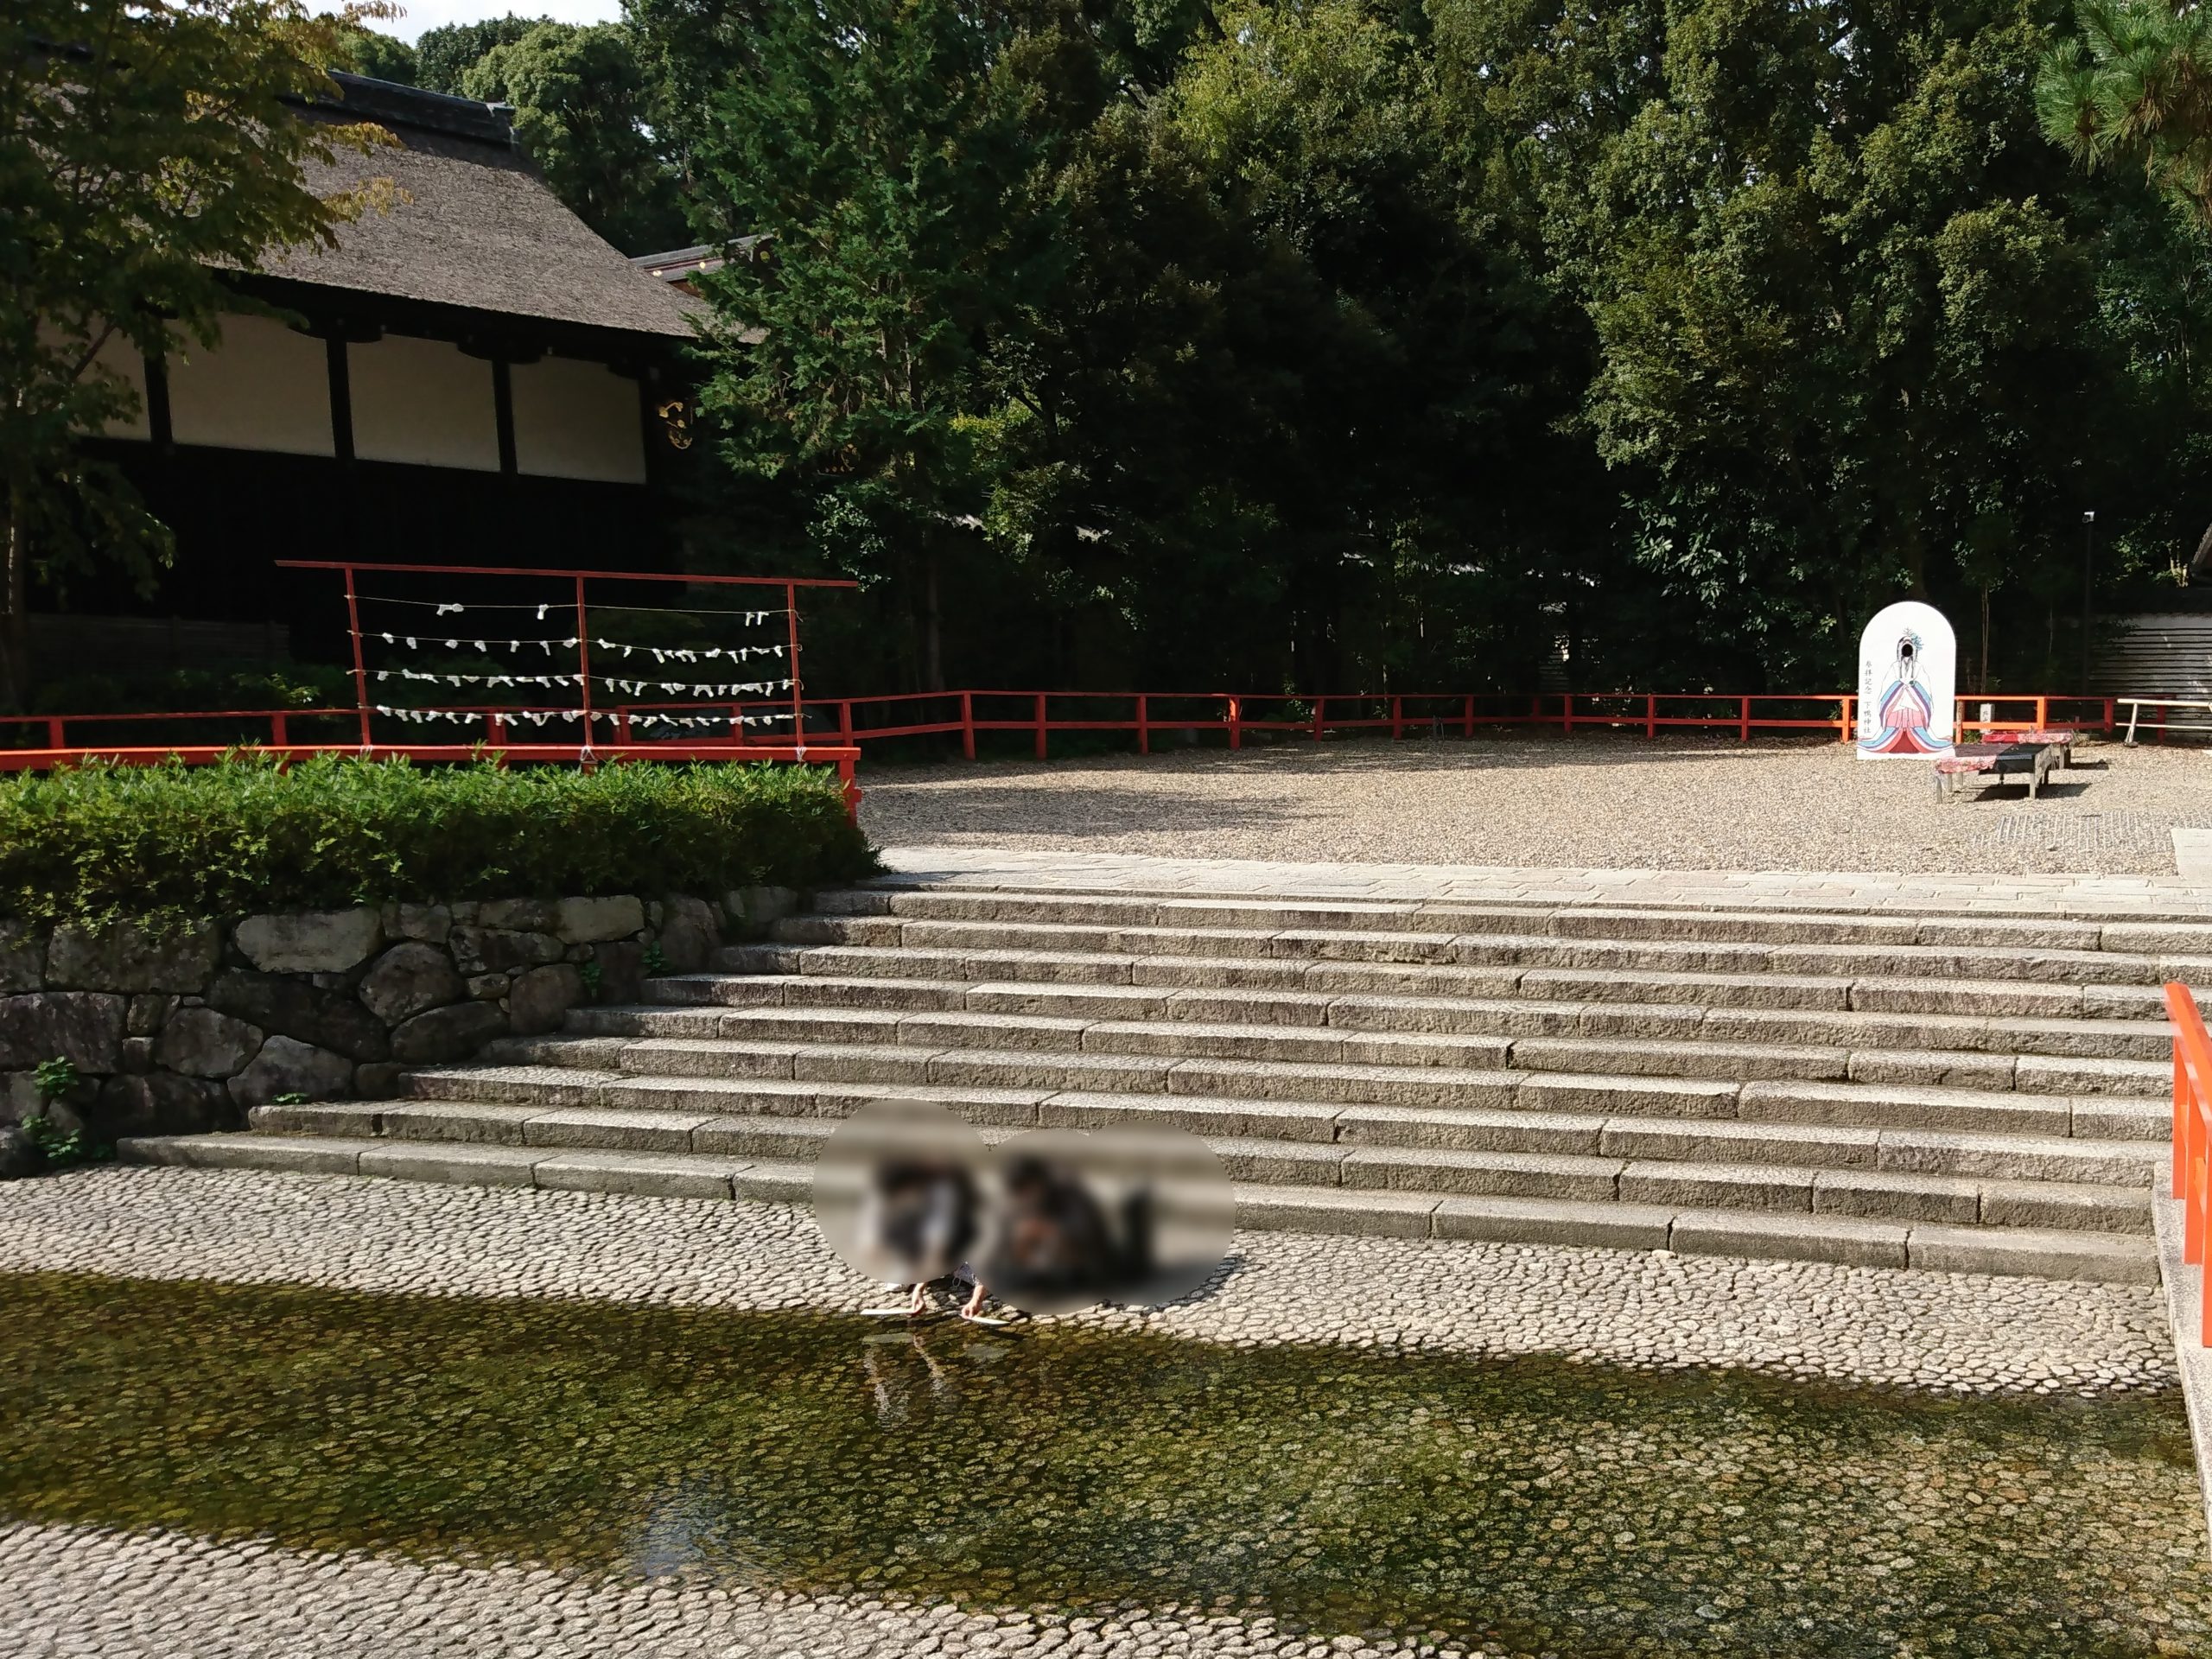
[77, 1591]
[161, 1596]
[1680, 803]
[1873, 1324]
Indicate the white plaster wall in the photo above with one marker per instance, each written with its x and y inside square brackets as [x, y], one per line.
[119, 355]
[574, 419]
[263, 387]
[424, 402]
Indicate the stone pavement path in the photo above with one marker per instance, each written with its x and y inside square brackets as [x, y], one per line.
[2084, 897]
[76, 1591]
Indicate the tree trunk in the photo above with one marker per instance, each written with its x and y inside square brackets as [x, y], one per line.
[932, 626]
[14, 621]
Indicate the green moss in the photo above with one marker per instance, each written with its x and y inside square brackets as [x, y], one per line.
[175, 844]
[1547, 1506]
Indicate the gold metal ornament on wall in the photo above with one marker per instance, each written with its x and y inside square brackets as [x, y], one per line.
[676, 422]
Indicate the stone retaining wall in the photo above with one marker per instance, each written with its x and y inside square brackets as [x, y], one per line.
[182, 1032]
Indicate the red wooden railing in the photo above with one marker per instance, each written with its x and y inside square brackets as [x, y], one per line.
[963, 714]
[847, 722]
[2192, 1181]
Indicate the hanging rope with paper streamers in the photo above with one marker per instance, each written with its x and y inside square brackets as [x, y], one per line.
[501, 648]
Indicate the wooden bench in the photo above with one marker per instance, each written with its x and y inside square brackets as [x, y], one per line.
[2000, 761]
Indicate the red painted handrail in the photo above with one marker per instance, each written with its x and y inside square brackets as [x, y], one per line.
[2192, 1182]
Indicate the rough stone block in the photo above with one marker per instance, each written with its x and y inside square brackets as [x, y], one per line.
[291, 1008]
[689, 933]
[2035, 1252]
[160, 1105]
[127, 957]
[287, 1066]
[540, 997]
[488, 987]
[138, 1055]
[148, 1010]
[1896, 1196]
[430, 924]
[23, 959]
[594, 921]
[408, 979]
[513, 915]
[753, 911]
[1320, 1209]
[309, 941]
[496, 950]
[83, 1028]
[201, 1043]
[452, 1033]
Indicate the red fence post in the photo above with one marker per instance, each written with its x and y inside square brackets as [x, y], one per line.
[1397, 717]
[2042, 714]
[2112, 709]
[1144, 730]
[1843, 719]
[1318, 704]
[279, 729]
[1651, 715]
[968, 725]
[1471, 715]
[1236, 728]
[845, 721]
[1567, 719]
[53, 738]
[1744, 723]
[1040, 725]
[852, 788]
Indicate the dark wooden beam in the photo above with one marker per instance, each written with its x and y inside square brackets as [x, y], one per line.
[342, 399]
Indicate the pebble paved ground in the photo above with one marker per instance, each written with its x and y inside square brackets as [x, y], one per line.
[1680, 802]
[78, 1591]
[1870, 1324]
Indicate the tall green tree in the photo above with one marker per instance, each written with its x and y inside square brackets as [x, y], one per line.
[145, 147]
[581, 99]
[446, 53]
[2135, 85]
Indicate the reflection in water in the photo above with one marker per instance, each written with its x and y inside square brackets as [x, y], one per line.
[1534, 1505]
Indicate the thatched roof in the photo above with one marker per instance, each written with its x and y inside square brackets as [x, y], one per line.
[475, 227]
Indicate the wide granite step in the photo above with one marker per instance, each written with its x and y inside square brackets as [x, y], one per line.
[2113, 1196]
[1966, 960]
[1786, 1235]
[792, 1005]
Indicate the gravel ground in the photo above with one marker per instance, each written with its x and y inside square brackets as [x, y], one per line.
[1951, 1331]
[1599, 800]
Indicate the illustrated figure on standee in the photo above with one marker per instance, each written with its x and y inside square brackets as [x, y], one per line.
[1905, 710]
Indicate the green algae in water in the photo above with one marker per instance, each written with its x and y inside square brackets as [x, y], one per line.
[1546, 1507]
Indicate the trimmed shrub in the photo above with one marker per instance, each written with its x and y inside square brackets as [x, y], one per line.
[172, 844]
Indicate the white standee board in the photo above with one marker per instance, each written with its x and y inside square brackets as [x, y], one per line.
[1908, 667]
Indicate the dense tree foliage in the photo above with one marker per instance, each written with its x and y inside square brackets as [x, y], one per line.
[1348, 343]
[581, 99]
[153, 149]
[444, 54]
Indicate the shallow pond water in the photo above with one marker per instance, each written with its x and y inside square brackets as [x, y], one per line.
[1543, 1506]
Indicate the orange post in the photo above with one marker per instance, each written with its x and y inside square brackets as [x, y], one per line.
[1144, 728]
[2192, 1139]
[968, 725]
[1651, 715]
[1235, 730]
[845, 721]
[1744, 724]
[1843, 719]
[1040, 726]
[2042, 714]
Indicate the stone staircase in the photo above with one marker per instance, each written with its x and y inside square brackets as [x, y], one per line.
[1955, 1092]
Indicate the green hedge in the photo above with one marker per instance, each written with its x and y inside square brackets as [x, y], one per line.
[173, 844]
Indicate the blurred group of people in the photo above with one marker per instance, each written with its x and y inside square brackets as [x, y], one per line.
[1046, 1239]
